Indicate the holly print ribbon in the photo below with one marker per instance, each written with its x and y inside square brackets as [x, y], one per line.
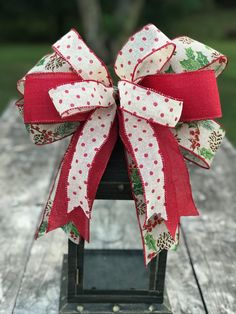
[168, 103]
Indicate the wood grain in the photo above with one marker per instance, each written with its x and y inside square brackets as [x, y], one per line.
[24, 179]
[211, 237]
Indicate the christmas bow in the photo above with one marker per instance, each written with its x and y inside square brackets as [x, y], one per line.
[168, 98]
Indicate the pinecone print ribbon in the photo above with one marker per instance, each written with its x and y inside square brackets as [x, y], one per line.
[168, 102]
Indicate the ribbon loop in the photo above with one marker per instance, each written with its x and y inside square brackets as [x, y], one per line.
[73, 98]
[73, 49]
[191, 55]
[149, 104]
[145, 53]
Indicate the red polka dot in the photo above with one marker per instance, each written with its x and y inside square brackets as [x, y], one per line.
[145, 155]
[60, 101]
[120, 53]
[144, 38]
[152, 207]
[158, 180]
[151, 173]
[103, 125]
[155, 104]
[132, 38]
[122, 65]
[129, 135]
[90, 72]
[148, 92]
[129, 102]
[83, 88]
[140, 139]
[80, 171]
[72, 105]
[79, 47]
[74, 193]
[141, 166]
[155, 162]
[146, 28]
[91, 129]
[94, 139]
[144, 108]
[79, 59]
[68, 46]
[88, 103]
[138, 98]
[130, 50]
[88, 165]
[158, 198]
[150, 144]
[171, 109]
[68, 57]
[129, 62]
[74, 178]
[176, 118]
[76, 161]
[85, 155]
[83, 144]
[146, 183]
[153, 191]
[136, 149]
[135, 126]
[166, 99]
[162, 115]
[90, 61]
[141, 48]
[66, 91]
[156, 39]
[77, 96]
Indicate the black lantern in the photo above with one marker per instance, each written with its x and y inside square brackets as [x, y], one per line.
[109, 280]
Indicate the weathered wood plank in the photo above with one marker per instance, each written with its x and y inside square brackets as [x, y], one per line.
[211, 237]
[24, 179]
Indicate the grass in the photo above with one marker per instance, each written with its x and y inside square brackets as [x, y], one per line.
[16, 60]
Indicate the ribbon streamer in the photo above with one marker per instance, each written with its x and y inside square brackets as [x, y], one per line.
[168, 100]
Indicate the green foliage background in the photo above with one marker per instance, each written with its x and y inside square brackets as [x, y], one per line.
[27, 29]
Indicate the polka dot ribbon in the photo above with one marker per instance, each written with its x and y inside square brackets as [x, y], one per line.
[71, 92]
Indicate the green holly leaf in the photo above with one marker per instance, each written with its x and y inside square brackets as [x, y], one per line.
[192, 125]
[66, 128]
[150, 242]
[189, 64]
[170, 70]
[136, 182]
[190, 53]
[202, 59]
[207, 124]
[206, 153]
[70, 227]
[40, 62]
[42, 228]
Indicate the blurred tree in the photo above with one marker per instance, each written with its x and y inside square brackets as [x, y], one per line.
[125, 17]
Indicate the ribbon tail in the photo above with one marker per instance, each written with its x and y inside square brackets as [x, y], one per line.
[154, 233]
[179, 200]
[59, 214]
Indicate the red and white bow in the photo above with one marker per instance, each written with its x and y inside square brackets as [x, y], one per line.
[152, 101]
